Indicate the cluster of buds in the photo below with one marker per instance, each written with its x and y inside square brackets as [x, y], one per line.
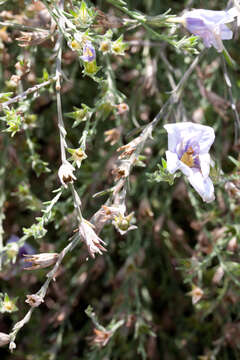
[116, 47]
[91, 239]
[65, 173]
[41, 261]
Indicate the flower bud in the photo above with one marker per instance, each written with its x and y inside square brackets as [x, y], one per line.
[122, 108]
[78, 155]
[104, 46]
[40, 261]
[65, 173]
[4, 339]
[196, 294]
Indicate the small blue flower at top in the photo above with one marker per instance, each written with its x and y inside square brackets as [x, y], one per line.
[89, 53]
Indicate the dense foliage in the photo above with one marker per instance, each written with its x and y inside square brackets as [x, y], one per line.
[140, 267]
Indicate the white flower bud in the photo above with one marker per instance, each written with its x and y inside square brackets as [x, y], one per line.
[65, 173]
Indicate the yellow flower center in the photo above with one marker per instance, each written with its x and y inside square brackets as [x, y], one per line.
[88, 52]
[188, 158]
[8, 305]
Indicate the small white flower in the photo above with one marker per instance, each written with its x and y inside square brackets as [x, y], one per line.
[65, 173]
[188, 147]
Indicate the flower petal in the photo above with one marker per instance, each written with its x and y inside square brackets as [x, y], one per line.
[226, 33]
[209, 25]
[205, 161]
[173, 136]
[172, 162]
[204, 187]
[202, 134]
[186, 170]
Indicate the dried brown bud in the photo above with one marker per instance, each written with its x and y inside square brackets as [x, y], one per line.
[129, 148]
[119, 173]
[34, 38]
[145, 211]
[40, 261]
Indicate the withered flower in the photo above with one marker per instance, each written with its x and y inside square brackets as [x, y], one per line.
[32, 38]
[93, 242]
[129, 148]
[112, 135]
[40, 261]
[196, 294]
[34, 300]
[121, 171]
[100, 337]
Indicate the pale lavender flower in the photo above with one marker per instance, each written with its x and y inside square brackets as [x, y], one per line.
[89, 53]
[188, 147]
[210, 26]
